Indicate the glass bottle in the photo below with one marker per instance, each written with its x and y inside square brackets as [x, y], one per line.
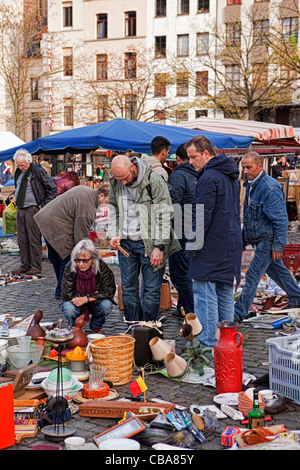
[256, 415]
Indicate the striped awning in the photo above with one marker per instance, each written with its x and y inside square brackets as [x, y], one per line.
[260, 131]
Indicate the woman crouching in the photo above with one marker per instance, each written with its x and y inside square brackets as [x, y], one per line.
[88, 287]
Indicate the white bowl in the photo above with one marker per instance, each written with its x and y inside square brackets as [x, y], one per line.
[70, 391]
[119, 444]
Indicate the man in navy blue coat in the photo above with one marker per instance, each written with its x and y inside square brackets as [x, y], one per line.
[216, 263]
[182, 188]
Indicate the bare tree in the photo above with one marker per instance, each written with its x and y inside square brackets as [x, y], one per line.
[239, 72]
[118, 85]
[21, 27]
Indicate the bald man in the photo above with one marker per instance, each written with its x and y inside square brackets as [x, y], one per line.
[265, 227]
[141, 216]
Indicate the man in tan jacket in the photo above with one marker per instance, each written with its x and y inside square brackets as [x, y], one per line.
[64, 222]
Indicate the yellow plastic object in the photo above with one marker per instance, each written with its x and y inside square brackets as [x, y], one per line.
[76, 355]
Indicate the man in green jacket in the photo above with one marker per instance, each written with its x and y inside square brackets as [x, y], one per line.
[141, 216]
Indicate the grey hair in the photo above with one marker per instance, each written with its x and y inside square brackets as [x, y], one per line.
[255, 157]
[81, 247]
[23, 154]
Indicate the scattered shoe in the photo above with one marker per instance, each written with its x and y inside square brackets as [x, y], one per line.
[33, 271]
[20, 271]
[99, 331]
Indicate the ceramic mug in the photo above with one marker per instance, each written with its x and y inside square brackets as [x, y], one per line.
[268, 396]
[74, 443]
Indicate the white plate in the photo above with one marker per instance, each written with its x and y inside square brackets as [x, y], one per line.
[14, 333]
[227, 399]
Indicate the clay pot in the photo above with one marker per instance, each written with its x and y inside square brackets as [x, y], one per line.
[80, 338]
[35, 330]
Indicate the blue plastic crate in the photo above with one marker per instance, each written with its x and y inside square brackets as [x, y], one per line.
[5, 234]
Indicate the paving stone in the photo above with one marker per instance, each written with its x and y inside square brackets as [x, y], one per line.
[25, 298]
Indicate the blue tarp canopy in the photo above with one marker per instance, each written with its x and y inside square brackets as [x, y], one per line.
[121, 135]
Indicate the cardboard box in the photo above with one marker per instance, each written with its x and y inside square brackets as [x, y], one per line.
[228, 435]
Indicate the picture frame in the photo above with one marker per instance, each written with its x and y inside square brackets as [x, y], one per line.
[125, 429]
[284, 183]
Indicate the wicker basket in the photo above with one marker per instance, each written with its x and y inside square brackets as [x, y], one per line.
[116, 353]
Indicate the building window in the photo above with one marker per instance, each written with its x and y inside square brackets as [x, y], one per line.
[201, 83]
[35, 91]
[200, 113]
[234, 2]
[233, 32]
[290, 28]
[130, 107]
[159, 116]
[68, 115]
[261, 30]
[161, 8]
[67, 15]
[287, 74]
[202, 46]
[130, 23]
[160, 46]
[36, 126]
[203, 6]
[130, 65]
[160, 84]
[259, 75]
[102, 108]
[183, 7]
[181, 116]
[102, 26]
[232, 75]
[101, 64]
[182, 45]
[68, 62]
[182, 84]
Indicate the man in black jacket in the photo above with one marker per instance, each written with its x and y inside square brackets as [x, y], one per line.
[182, 188]
[34, 189]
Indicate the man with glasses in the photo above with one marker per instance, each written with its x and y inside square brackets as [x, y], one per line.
[64, 222]
[141, 216]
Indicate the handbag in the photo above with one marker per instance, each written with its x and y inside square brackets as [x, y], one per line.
[10, 219]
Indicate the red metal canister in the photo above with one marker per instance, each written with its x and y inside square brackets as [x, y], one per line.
[228, 358]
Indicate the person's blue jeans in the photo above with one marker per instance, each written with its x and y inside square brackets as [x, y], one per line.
[136, 308]
[213, 302]
[262, 263]
[58, 266]
[99, 313]
[178, 268]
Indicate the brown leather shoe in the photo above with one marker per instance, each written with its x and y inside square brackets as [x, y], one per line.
[33, 271]
[19, 271]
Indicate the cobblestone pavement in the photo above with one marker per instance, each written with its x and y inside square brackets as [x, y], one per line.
[24, 298]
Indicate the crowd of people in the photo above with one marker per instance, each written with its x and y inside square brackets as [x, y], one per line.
[188, 218]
